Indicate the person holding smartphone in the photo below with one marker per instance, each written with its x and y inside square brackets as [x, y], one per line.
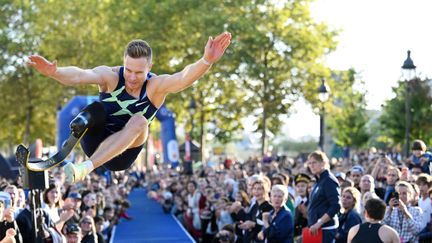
[402, 216]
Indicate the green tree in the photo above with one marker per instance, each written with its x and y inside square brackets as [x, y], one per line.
[279, 51]
[25, 104]
[393, 120]
[348, 116]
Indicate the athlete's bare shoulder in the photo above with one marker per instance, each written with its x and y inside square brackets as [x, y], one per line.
[388, 234]
[109, 76]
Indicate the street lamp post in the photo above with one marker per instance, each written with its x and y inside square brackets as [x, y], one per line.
[323, 94]
[409, 73]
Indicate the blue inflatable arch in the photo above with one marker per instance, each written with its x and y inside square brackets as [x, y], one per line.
[165, 117]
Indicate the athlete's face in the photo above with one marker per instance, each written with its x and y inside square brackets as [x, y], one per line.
[135, 73]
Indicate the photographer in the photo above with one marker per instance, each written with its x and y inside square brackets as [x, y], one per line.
[7, 222]
[401, 216]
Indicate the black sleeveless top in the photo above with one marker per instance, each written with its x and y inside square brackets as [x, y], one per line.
[368, 233]
[120, 106]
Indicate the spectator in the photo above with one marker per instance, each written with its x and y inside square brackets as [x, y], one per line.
[98, 220]
[192, 215]
[74, 199]
[88, 230]
[88, 200]
[356, 173]
[110, 220]
[230, 186]
[73, 233]
[7, 223]
[324, 200]
[349, 215]
[420, 157]
[225, 235]
[278, 223]
[424, 183]
[343, 180]
[401, 216]
[301, 201]
[254, 224]
[367, 184]
[379, 173]
[372, 230]
[13, 192]
[425, 236]
[21, 199]
[51, 201]
[393, 176]
[46, 226]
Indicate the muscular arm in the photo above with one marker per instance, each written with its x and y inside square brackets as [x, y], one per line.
[213, 51]
[101, 75]
[75, 75]
[181, 80]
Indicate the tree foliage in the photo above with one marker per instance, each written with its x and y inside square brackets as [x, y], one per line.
[347, 118]
[393, 120]
[279, 51]
[275, 57]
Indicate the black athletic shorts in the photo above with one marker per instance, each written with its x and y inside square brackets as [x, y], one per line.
[90, 143]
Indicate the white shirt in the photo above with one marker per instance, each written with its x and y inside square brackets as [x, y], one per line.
[425, 205]
[300, 199]
[53, 212]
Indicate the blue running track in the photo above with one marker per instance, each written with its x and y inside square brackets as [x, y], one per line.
[149, 223]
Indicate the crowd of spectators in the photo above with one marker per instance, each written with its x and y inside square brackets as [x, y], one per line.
[371, 196]
[83, 212]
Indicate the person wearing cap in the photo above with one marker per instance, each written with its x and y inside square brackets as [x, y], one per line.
[301, 201]
[324, 201]
[73, 233]
[74, 199]
[341, 176]
[356, 173]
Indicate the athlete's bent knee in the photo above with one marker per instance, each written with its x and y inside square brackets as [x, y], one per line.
[137, 123]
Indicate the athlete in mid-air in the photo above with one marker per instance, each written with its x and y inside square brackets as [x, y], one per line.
[131, 96]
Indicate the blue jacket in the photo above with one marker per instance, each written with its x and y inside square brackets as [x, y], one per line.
[324, 199]
[281, 227]
[346, 222]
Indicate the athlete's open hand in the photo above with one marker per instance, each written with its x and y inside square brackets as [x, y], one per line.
[215, 48]
[42, 65]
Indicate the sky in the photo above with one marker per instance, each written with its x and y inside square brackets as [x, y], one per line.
[374, 38]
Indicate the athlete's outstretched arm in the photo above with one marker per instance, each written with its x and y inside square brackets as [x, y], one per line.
[69, 75]
[214, 50]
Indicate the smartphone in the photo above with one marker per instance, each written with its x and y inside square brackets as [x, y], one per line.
[394, 195]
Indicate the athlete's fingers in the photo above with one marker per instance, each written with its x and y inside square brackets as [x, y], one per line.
[30, 63]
